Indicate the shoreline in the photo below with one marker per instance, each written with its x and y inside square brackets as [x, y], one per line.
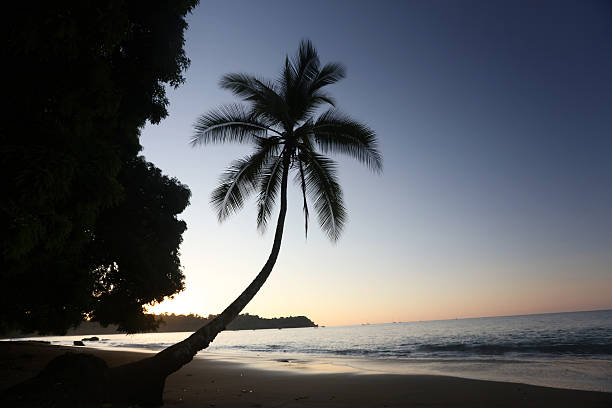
[209, 382]
[572, 372]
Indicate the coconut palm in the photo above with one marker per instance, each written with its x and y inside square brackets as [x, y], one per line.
[280, 119]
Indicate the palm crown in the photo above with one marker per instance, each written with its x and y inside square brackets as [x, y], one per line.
[280, 119]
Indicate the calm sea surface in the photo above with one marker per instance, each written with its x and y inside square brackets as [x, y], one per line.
[568, 350]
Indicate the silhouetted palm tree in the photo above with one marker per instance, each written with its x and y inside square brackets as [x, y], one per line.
[280, 120]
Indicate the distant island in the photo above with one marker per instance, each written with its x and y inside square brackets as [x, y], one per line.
[174, 323]
[191, 322]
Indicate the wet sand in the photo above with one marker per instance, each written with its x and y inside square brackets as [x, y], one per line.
[214, 383]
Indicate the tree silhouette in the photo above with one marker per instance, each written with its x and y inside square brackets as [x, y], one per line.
[280, 120]
[83, 77]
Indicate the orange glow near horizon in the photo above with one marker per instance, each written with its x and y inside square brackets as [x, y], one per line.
[386, 307]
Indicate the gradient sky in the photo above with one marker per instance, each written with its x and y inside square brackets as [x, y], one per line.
[494, 119]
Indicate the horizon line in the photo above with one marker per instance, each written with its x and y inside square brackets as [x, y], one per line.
[468, 318]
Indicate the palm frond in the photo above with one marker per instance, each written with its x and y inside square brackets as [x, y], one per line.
[240, 180]
[319, 98]
[269, 184]
[263, 95]
[329, 74]
[229, 123]
[323, 187]
[305, 134]
[307, 95]
[287, 78]
[300, 71]
[302, 181]
[337, 133]
[306, 63]
[311, 103]
[248, 87]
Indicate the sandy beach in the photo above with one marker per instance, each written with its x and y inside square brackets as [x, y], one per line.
[215, 383]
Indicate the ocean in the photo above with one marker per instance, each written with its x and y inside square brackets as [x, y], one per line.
[564, 350]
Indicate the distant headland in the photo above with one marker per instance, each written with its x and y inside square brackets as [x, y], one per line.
[191, 322]
[174, 323]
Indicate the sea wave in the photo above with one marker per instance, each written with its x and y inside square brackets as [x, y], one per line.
[530, 348]
[441, 350]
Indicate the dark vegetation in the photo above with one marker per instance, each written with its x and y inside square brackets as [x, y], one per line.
[176, 323]
[88, 228]
[253, 322]
[191, 322]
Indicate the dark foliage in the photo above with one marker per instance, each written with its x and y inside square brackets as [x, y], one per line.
[135, 249]
[254, 322]
[82, 78]
[178, 323]
[191, 322]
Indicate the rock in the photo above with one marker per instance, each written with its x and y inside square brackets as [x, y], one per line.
[94, 338]
[78, 343]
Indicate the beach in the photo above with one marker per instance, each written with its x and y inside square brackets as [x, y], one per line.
[209, 382]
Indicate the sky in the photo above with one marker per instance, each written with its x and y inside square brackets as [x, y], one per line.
[494, 120]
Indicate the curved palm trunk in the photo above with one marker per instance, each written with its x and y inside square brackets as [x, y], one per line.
[143, 381]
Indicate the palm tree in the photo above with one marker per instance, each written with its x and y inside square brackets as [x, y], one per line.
[280, 120]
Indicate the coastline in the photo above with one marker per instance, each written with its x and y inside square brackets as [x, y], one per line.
[209, 382]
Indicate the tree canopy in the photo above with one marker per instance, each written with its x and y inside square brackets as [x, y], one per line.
[88, 228]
